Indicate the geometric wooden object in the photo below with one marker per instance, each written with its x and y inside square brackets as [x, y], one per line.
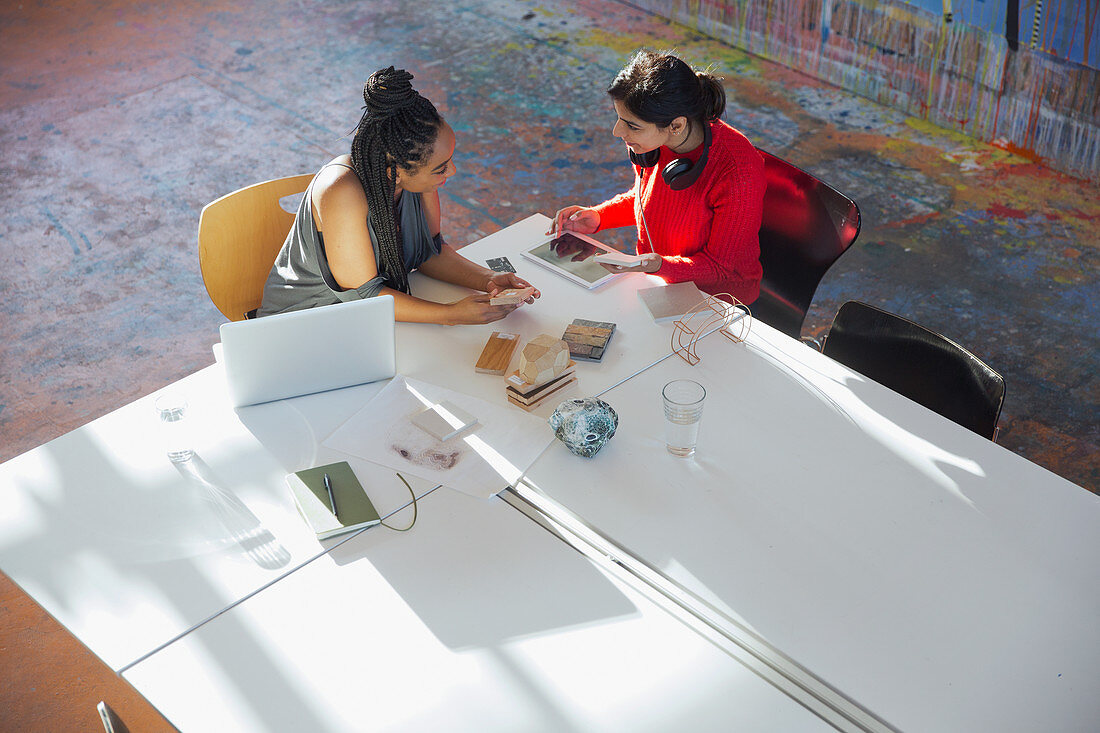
[543, 358]
[530, 395]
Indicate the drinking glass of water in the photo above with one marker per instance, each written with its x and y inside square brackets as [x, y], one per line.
[175, 429]
[683, 400]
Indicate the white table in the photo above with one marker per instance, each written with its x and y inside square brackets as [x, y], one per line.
[475, 620]
[868, 553]
[128, 550]
[937, 579]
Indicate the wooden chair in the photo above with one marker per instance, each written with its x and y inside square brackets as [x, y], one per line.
[239, 236]
[806, 226]
[921, 364]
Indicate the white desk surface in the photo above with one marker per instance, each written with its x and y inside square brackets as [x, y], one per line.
[939, 580]
[935, 578]
[477, 619]
[128, 550]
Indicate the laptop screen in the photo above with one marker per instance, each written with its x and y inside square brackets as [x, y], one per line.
[307, 351]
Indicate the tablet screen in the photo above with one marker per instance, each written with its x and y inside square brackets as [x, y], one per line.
[573, 255]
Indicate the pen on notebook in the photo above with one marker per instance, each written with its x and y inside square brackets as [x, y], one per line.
[331, 498]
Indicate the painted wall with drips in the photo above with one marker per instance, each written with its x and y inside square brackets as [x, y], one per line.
[1038, 96]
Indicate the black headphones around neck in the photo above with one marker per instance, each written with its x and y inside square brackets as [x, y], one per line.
[681, 172]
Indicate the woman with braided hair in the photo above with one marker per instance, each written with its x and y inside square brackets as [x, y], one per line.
[369, 218]
[698, 194]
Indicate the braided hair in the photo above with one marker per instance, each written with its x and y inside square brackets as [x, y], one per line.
[399, 128]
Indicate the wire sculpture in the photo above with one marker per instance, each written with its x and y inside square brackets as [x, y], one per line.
[711, 314]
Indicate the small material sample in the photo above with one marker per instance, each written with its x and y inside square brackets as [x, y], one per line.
[668, 302]
[497, 354]
[500, 264]
[444, 420]
[511, 296]
[588, 340]
[618, 258]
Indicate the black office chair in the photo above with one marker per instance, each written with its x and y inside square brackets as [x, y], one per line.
[918, 363]
[806, 226]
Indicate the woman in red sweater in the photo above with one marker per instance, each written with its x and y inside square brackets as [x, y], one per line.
[698, 183]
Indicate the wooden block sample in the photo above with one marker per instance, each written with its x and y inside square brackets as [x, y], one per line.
[497, 354]
[557, 387]
[516, 383]
[587, 340]
[578, 330]
[511, 296]
[541, 391]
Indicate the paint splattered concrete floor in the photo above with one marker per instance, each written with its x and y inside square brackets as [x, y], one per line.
[118, 122]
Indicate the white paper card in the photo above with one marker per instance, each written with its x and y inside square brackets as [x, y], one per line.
[444, 420]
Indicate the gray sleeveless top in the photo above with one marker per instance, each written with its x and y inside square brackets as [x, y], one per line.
[300, 277]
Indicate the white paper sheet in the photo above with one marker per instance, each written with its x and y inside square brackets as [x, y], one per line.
[481, 462]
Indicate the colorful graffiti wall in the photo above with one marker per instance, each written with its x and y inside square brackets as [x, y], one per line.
[963, 76]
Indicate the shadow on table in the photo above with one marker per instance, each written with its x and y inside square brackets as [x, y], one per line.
[478, 573]
[117, 535]
[244, 527]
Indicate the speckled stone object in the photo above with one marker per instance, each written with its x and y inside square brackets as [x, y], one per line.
[584, 425]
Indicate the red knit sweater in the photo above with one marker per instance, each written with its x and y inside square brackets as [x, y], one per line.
[709, 231]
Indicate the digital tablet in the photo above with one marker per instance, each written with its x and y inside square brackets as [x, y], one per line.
[572, 256]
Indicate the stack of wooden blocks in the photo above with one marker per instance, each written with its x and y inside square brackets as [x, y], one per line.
[544, 369]
[530, 395]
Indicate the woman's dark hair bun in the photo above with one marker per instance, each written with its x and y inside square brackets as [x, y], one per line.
[388, 91]
[712, 95]
[658, 87]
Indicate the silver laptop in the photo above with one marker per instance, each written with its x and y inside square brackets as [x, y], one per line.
[307, 351]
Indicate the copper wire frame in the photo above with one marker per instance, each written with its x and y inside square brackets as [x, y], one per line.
[704, 318]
